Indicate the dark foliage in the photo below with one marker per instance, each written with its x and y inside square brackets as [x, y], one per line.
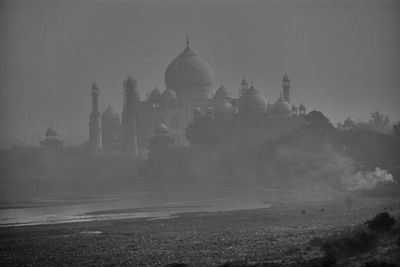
[379, 264]
[382, 222]
[328, 261]
[346, 245]
[244, 264]
[315, 153]
[317, 124]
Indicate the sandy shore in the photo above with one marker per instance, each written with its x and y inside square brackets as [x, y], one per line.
[280, 234]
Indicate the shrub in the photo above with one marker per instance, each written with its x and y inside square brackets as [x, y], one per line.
[382, 222]
[379, 264]
[348, 245]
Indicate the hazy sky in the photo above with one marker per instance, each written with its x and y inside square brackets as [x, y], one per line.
[342, 57]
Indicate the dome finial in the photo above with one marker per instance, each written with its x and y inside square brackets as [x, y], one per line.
[187, 40]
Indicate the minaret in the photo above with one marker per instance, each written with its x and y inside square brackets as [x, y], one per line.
[129, 118]
[302, 110]
[94, 121]
[244, 87]
[187, 41]
[286, 87]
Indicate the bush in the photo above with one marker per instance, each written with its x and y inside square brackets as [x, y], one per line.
[379, 264]
[382, 222]
[347, 246]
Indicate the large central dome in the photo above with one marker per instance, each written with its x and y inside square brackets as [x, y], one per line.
[189, 74]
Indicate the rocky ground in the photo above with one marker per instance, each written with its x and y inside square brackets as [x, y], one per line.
[279, 235]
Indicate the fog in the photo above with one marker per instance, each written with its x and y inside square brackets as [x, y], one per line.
[333, 53]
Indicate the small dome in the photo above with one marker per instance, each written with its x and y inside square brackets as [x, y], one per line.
[188, 72]
[130, 82]
[224, 108]
[253, 101]
[221, 92]
[155, 95]
[51, 133]
[169, 94]
[109, 113]
[281, 108]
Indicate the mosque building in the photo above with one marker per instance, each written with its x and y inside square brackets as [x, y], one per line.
[189, 93]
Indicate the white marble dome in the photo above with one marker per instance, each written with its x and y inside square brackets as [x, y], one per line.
[253, 102]
[281, 108]
[189, 72]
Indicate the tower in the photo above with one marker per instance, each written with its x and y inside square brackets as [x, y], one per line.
[302, 110]
[129, 119]
[286, 88]
[244, 87]
[94, 121]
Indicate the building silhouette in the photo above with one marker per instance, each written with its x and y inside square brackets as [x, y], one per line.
[189, 92]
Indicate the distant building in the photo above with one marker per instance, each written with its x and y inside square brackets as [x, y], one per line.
[51, 143]
[189, 88]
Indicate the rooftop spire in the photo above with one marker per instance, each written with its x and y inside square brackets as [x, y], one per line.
[187, 40]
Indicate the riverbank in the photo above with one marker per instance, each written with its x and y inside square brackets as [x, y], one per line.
[280, 234]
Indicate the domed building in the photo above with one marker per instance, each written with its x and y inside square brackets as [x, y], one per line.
[221, 94]
[189, 93]
[252, 102]
[51, 143]
[189, 76]
[281, 109]
[169, 98]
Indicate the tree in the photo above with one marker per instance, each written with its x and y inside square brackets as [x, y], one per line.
[349, 124]
[396, 130]
[317, 123]
[379, 123]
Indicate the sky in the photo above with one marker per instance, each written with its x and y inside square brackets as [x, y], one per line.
[342, 57]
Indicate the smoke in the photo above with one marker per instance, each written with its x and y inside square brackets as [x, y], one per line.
[368, 180]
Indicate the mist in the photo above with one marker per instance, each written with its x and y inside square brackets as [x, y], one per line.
[199, 133]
